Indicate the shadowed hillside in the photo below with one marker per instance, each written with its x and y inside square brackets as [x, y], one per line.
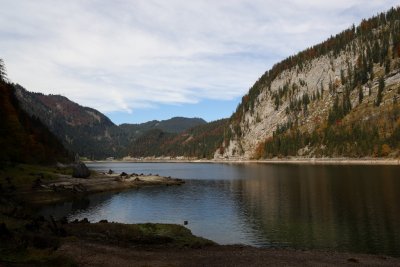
[82, 130]
[24, 138]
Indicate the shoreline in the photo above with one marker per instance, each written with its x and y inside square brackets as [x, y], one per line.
[116, 244]
[41, 185]
[305, 161]
[65, 187]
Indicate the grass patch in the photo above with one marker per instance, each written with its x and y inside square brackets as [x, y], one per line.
[21, 181]
[23, 175]
[170, 235]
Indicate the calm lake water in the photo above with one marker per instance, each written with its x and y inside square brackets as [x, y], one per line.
[347, 208]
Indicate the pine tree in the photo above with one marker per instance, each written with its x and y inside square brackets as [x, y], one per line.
[387, 66]
[360, 95]
[380, 90]
[342, 77]
[346, 103]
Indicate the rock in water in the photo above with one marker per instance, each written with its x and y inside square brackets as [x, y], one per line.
[80, 170]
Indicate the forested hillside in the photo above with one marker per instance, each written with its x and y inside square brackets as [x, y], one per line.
[91, 134]
[82, 130]
[24, 138]
[198, 142]
[338, 98]
[173, 125]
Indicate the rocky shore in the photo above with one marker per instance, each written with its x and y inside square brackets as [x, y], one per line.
[65, 186]
[102, 182]
[39, 185]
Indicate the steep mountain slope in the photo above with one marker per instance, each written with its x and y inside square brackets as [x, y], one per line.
[82, 130]
[338, 98]
[197, 142]
[22, 137]
[173, 125]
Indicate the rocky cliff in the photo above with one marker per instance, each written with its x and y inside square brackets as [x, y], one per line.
[351, 80]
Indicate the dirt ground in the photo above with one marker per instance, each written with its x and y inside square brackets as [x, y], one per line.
[92, 254]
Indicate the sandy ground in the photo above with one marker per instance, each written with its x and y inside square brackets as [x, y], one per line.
[92, 254]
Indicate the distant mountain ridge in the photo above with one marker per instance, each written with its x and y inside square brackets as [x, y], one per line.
[173, 125]
[200, 141]
[90, 133]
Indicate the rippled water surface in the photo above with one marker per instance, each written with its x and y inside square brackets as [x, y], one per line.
[348, 208]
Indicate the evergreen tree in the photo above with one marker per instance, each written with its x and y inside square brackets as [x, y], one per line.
[380, 90]
[346, 103]
[342, 77]
[360, 95]
[387, 66]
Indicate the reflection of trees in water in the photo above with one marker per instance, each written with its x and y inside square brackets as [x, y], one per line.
[344, 207]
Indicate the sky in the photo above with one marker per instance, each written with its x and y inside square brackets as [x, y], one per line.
[139, 60]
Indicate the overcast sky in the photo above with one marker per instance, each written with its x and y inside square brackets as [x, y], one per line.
[153, 59]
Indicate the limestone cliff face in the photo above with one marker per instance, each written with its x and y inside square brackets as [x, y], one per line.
[303, 93]
[260, 123]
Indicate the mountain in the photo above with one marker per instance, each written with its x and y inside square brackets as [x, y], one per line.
[197, 142]
[338, 98]
[90, 133]
[81, 129]
[24, 138]
[173, 125]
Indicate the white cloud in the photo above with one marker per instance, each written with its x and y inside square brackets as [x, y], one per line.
[125, 55]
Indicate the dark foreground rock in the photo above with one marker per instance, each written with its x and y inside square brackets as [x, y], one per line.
[80, 170]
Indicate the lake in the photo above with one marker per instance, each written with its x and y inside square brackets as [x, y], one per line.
[346, 208]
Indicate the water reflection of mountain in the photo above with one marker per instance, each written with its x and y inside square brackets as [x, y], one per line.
[344, 207]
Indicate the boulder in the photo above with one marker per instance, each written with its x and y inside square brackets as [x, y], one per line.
[80, 170]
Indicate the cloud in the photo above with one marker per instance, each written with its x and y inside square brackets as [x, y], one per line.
[127, 55]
